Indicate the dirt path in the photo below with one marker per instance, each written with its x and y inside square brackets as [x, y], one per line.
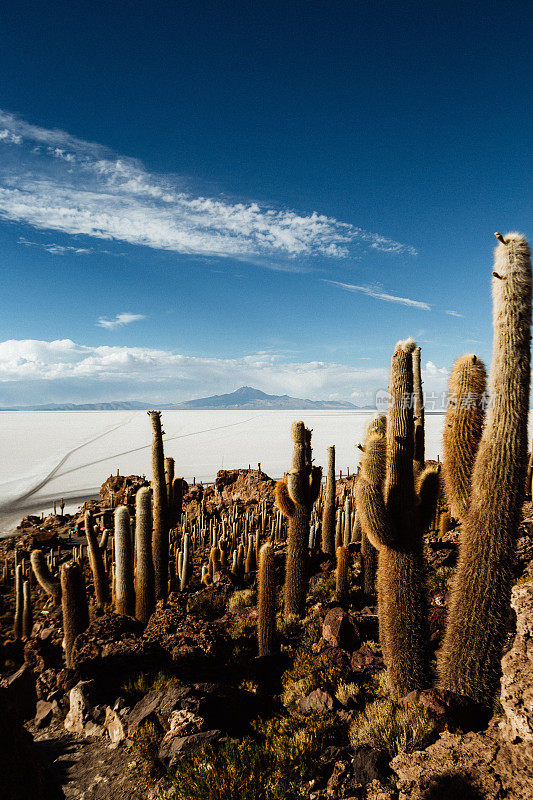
[89, 768]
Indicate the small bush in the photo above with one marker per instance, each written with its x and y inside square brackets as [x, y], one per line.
[241, 599]
[207, 605]
[437, 581]
[146, 745]
[235, 771]
[387, 726]
[145, 682]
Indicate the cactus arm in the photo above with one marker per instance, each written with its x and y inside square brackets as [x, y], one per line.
[45, 578]
[283, 499]
[428, 483]
[314, 484]
[463, 427]
[373, 515]
[419, 455]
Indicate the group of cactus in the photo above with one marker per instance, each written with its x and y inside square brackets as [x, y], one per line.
[485, 459]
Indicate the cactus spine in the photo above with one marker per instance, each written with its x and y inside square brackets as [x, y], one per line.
[45, 578]
[96, 561]
[463, 427]
[160, 520]
[144, 565]
[478, 616]
[328, 512]
[368, 558]
[266, 601]
[74, 606]
[124, 580]
[295, 496]
[394, 513]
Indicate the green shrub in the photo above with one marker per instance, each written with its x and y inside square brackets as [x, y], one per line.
[241, 599]
[146, 745]
[388, 726]
[207, 605]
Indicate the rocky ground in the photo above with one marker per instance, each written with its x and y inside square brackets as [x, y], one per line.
[128, 719]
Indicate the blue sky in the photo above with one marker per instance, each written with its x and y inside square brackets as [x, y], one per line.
[199, 196]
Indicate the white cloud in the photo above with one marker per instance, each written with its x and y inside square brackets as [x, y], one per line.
[37, 371]
[65, 184]
[56, 249]
[379, 294]
[10, 137]
[119, 321]
[454, 314]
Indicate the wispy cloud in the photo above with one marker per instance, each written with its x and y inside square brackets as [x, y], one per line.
[61, 183]
[56, 249]
[454, 314]
[379, 294]
[119, 321]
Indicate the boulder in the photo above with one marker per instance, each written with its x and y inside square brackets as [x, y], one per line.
[339, 630]
[44, 713]
[517, 666]
[81, 706]
[318, 700]
[364, 659]
[114, 726]
[173, 749]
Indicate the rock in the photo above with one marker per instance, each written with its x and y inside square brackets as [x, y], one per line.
[114, 726]
[318, 700]
[448, 708]
[43, 714]
[187, 641]
[370, 764]
[20, 692]
[174, 748]
[120, 490]
[157, 707]
[365, 659]
[183, 722]
[492, 764]
[93, 729]
[339, 630]
[80, 707]
[517, 666]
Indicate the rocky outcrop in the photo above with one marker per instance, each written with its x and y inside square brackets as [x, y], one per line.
[120, 490]
[496, 763]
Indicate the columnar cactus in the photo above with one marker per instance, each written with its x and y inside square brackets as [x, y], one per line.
[160, 520]
[45, 578]
[328, 512]
[96, 562]
[177, 500]
[19, 602]
[266, 601]
[169, 480]
[419, 457]
[124, 579]
[478, 615]
[342, 580]
[74, 606]
[395, 510]
[144, 565]
[463, 427]
[185, 563]
[295, 496]
[250, 563]
[27, 611]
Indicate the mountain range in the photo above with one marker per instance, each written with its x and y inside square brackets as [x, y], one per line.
[244, 398]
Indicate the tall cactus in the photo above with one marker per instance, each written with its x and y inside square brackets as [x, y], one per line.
[169, 480]
[160, 522]
[328, 512]
[144, 565]
[342, 581]
[368, 559]
[478, 616]
[266, 601]
[124, 580]
[177, 501]
[419, 455]
[295, 496]
[27, 611]
[19, 602]
[463, 427]
[395, 509]
[74, 606]
[96, 562]
[45, 578]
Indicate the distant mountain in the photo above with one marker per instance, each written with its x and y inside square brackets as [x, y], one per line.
[248, 398]
[244, 398]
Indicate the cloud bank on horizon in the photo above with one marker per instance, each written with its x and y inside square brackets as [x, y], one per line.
[41, 370]
[54, 181]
